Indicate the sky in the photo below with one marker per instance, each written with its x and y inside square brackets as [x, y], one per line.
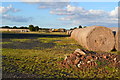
[59, 14]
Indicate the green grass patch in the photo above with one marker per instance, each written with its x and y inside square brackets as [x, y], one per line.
[118, 52]
[66, 42]
[5, 42]
[48, 40]
[58, 41]
[20, 40]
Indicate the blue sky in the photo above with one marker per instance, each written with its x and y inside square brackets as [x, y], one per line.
[59, 15]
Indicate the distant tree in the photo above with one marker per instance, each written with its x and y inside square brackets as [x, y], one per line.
[64, 30]
[31, 28]
[22, 27]
[40, 28]
[36, 28]
[71, 28]
[25, 27]
[14, 27]
[84, 26]
[5, 27]
[75, 27]
[80, 26]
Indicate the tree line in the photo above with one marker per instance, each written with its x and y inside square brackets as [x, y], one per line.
[14, 27]
[36, 28]
[31, 27]
[78, 27]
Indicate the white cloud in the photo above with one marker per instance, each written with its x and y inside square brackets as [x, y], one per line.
[48, 3]
[60, 12]
[73, 8]
[8, 9]
[115, 12]
[98, 12]
[53, 5]
[60, 0]
[45, 0]
[5, 11]
[79, 15]
[68, 18]
[30, 0]
[16, 18]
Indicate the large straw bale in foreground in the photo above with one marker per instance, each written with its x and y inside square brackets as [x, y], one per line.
[95, 38]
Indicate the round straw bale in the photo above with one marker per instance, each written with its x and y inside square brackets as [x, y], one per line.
[69, 32]
[74, 34]
[95, 38]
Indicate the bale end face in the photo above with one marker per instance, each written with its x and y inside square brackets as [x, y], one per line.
[101, 39]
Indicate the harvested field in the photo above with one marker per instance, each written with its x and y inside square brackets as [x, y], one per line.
[39, 56]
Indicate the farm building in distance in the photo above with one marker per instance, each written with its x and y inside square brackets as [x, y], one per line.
[58, 30]
[15, 30]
